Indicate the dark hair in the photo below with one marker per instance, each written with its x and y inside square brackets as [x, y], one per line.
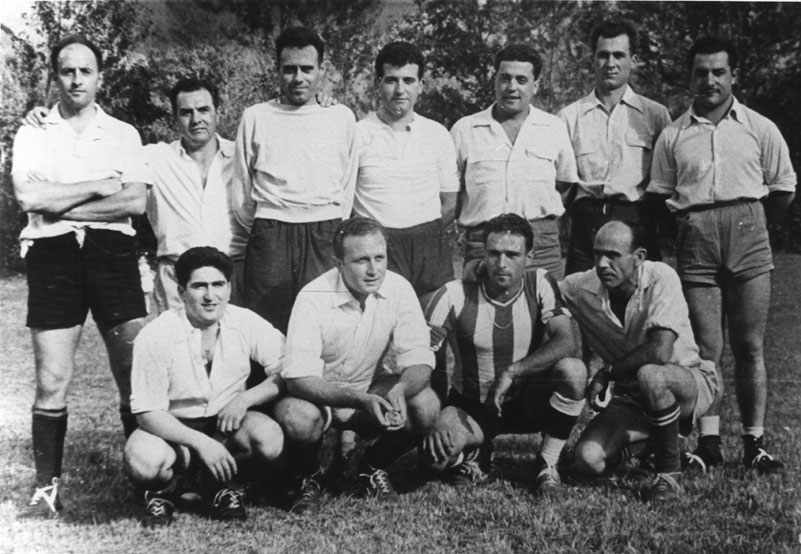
[299, 37]
[75, 39]
[399, 54]
[713, 45]
[510, 223]
[201, 256]
[191, 85]
[614, 28]
[516, 52]
[355, 227]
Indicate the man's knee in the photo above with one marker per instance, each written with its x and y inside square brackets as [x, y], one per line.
[748, 349]
[264, 436]
[652, 380]
[301, 421]
[423, 409]
[146, 457]
[591, 457]
[570, 376]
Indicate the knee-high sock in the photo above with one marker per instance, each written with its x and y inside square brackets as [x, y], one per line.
[49, 427]
[664, 439]
[389, 447]
[562, 415]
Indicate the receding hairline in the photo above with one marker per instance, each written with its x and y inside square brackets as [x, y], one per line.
[65, 49]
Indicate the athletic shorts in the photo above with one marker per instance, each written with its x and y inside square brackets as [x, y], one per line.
[280, 259]
[518, 416]
[422, 255]
[723, 242]
[66, 280]
[547, 252]
[357, 420]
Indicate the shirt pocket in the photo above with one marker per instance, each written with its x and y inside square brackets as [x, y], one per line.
[641, 146]
[591, 159]
[486, 167]
[541, 161]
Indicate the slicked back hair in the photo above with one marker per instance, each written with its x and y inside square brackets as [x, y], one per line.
[201, 256]
[75, 39]
[713, 45]
[191, 85]
[517, 52]
[355, 227]
[299, 37]
[400, 53]
[614, 28]
[512, 224]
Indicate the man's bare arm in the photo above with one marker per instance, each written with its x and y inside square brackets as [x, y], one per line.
[129, 201]
[37, 195]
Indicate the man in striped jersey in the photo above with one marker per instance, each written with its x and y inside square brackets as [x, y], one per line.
[634, 316]
[511, 336]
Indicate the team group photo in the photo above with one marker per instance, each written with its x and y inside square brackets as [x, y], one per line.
[388, 276]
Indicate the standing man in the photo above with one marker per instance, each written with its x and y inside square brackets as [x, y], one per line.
[727, 176]
[190, 202]
[343, 325]
[296, 166]
[190, 368]
[407, 173]
[632, 313]
[613, 131]
[514, 158]
[512, 339]
[80, 179]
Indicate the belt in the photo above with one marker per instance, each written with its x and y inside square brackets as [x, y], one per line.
[724, 204]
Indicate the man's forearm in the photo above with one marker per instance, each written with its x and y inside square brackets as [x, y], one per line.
[658, 350]
[415, 378]
[166, 426]
[266, 391]
[53, 198]
[319, 391]
[127, 202]
[776, 205]
[561, 344]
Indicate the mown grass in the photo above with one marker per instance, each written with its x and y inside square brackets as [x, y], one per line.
[730, 511]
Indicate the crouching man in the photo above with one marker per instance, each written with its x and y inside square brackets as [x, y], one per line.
[188, 392]
[634, 316]
[512, 339]
[342, 327]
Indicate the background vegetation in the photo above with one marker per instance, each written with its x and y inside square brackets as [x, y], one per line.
[150, 44]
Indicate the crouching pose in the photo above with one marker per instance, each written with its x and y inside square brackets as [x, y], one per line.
[511, 336]
[635, 318]
[342, 326]
[189, 372]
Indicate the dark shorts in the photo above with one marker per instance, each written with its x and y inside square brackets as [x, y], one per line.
[723, 242]
[547, 251]
[587, 215]
[66, 280]
[422, 255]
[280, 259]
[519, 416]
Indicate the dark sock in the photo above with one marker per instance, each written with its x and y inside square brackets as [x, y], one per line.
[129, 424]
[389, 447]
[49, 427]
[558, 424]
[303, 461]
[664, 439]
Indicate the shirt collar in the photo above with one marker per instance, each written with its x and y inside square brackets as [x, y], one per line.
[101, 119]
[484, 117]
[736, 113]
[343, 296]
[410, 126]
[189, 328]
[225, 148]
[629, 98]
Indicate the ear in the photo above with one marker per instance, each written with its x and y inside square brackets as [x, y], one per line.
[536, 86]
[636, 62]
[735, 75]
[641, 254]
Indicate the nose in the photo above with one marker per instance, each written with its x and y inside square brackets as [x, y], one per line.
[371, 270]
[296, 76]
[602, 261]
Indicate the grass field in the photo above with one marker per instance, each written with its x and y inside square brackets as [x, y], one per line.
[730, 511]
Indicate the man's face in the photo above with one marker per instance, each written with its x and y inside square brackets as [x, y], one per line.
[205, 296]
[515, 86]
[78, 76]
[505, 260]
[711, 80]
[612, 63]
[300, 75]
[399, 89]
[195, 117]
[364, 264]
[615, 262]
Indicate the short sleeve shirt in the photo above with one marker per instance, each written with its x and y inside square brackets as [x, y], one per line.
[500, 177]
[487, 336]
[614, 150]
[402, 174]
[106, 148]
[329, 335]
[698, 163]
[169, 373]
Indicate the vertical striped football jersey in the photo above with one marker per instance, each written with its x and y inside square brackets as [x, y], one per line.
[486, 335]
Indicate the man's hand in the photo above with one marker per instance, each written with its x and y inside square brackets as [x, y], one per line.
[440, 445]
[326, 100]
[598, 387]
[496, 396]
[397, 416]
[217, 459]
[230, 417]
[377, 407]
[36, 117]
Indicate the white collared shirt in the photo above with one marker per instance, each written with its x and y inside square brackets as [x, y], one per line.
[106, 148]
[169, 373]
[182, 211]
[500, 177]
[330, 336]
